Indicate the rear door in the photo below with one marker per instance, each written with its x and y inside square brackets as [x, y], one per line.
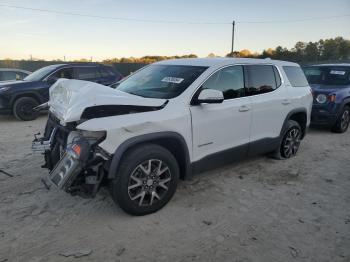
[270, 106]
[219, 127]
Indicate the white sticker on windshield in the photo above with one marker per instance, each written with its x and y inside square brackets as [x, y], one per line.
[336, 72]
[174, 80]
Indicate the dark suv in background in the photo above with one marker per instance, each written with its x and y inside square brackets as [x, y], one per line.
[20, 97]
[330, 84]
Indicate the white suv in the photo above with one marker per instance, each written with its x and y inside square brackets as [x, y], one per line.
[168, 121]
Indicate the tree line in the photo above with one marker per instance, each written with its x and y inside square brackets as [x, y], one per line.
[333, 49]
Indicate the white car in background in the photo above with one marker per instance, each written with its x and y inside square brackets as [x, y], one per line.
[168, 121]
[12, 74]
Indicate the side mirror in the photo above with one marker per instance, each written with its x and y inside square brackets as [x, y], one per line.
[52, 80]
[210, 96]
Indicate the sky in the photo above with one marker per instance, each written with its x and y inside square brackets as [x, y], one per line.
[25, 33]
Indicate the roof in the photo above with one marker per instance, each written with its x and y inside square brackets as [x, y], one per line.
[76, 64]
[15, 69]
[222, 61]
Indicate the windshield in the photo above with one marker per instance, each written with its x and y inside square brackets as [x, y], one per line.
[161, 81]
[40, 73]
[328, 75]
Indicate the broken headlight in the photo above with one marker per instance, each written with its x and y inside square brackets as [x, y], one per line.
[93, 137]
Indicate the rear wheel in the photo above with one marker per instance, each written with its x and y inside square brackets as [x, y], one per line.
[343, 122]
[146, 181]
[290, 141]
[23, 108]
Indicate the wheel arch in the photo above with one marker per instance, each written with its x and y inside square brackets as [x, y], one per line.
[34, 95]
[172, 141]
[346, 102]
[299, 115]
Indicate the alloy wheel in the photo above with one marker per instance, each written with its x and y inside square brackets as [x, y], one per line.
[292, 142]
[149, 182]
[345, 119]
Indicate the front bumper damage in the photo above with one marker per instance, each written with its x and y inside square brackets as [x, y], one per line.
[77, 164]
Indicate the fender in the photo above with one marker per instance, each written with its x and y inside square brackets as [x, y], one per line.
[294, 111]
[185, 167]
[36, 95]
[344, 102]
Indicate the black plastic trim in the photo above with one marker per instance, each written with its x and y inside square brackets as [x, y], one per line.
[113, 169]
[294, 111]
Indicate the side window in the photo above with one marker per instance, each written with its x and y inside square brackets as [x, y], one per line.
[229, 80]
[20, 75]
[8, 75]
[63, 73]
[86, 73]
[260, 79]
[295, 76]
[104, 72]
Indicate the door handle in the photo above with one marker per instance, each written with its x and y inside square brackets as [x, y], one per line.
[244, 109]
[286, 102]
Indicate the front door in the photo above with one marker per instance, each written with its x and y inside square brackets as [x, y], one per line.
[218, 128]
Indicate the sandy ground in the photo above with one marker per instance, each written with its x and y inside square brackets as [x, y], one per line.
[257, 210]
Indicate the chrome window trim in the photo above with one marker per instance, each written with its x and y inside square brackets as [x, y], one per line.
[220, 68]
[67, 66]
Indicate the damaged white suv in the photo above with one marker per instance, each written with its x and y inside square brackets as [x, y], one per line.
[168, 121]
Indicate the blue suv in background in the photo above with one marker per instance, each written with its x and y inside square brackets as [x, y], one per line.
[330, 84]
[20, 97]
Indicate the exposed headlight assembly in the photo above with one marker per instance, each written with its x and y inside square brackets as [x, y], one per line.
[321, 98]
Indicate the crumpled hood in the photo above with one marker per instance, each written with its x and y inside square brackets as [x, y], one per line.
[69, 98]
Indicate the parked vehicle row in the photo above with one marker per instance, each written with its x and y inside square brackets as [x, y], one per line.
[20, 97]
[168, 121]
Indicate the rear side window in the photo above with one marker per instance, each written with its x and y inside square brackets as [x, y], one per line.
[260, 79]
[295, 76]
[84, 73]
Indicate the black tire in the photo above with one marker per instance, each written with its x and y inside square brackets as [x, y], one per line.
[343, 121]
[280, 153]
[130, 168]
[23, 108]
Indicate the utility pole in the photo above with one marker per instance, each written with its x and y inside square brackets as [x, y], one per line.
[233, 35]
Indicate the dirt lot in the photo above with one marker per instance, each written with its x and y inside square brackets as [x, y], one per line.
[257, 210]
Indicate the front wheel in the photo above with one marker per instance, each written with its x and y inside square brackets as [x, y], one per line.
[23, 108]
[290, 141]
[146, 181]
[343, 122]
